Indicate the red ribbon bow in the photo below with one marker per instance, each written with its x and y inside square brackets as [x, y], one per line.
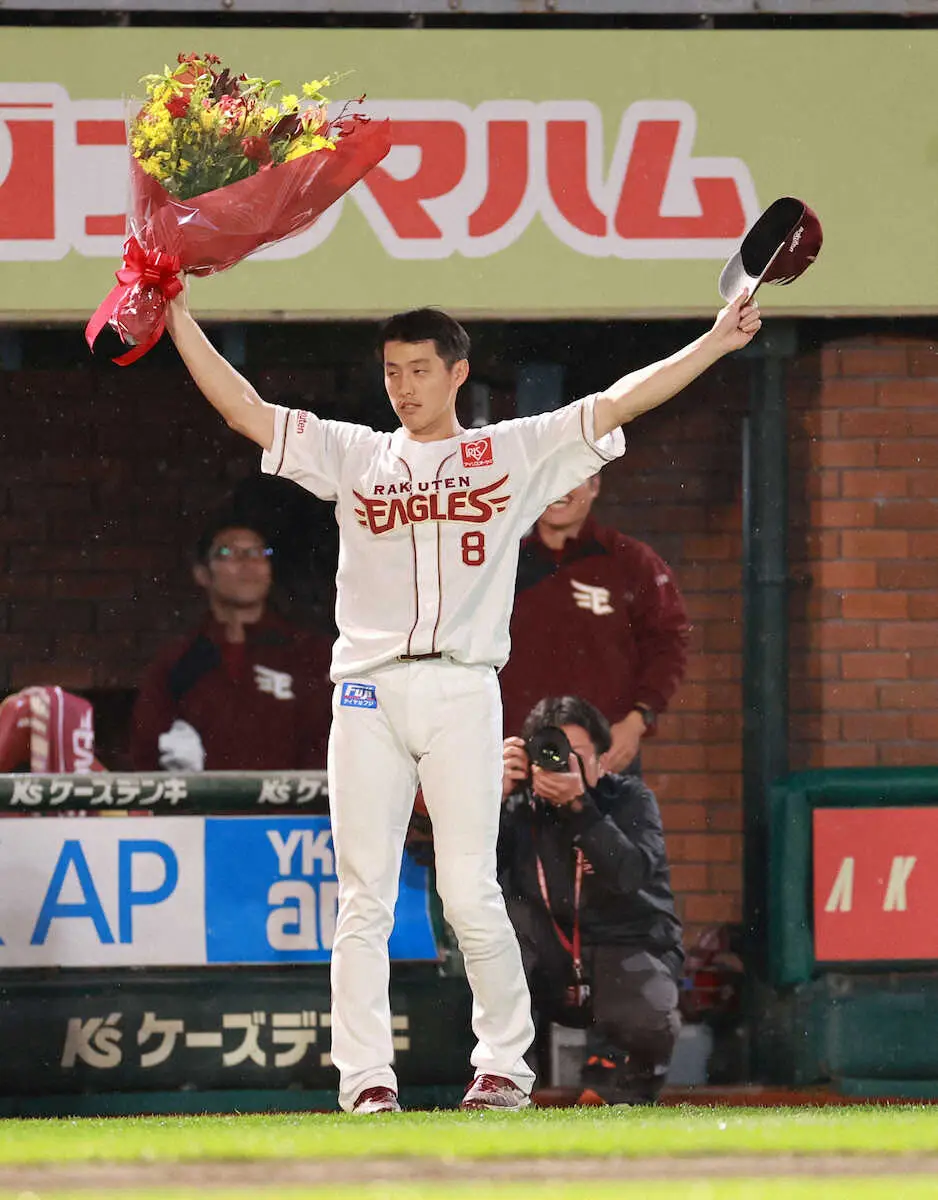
[150, 268]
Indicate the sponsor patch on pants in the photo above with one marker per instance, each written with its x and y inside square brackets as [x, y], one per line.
[358, 695]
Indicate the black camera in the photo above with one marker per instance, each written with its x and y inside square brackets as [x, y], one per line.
[549, 748]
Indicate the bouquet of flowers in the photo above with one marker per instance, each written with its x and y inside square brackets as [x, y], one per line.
[219, 168]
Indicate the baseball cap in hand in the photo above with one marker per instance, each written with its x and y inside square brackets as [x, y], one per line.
[781, 245]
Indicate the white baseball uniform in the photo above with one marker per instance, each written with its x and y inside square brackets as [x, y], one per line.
[428, 549]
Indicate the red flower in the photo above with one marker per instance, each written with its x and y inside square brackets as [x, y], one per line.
[194, 58]
[178, 106]
[257, 149]
[187, 77]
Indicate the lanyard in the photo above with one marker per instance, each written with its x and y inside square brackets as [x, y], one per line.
[573, 947]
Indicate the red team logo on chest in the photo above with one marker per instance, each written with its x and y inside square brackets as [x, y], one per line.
[447, 502]
[477, 453]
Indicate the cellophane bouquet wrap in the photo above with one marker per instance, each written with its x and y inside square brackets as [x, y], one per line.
[218, 170]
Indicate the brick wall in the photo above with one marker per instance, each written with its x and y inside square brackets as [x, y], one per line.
[678, 488]
[864, 601]
[104, 485]
[864, 427]
[106, 480]
[96, 509]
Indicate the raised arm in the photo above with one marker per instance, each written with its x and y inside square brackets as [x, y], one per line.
[642, 390]
[230, 393]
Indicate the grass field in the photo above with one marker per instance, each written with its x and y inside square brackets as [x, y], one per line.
[741, 1189]
[551, 1154]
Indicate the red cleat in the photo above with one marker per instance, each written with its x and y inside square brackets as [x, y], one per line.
[494, 1092]
[376, 1100]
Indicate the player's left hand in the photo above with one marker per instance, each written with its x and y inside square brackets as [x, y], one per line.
[563, 789]
[736, 324]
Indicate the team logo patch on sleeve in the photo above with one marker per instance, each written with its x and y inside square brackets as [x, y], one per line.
[477, 453]
[358, 695]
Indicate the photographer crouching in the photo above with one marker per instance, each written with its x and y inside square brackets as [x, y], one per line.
[582, 864]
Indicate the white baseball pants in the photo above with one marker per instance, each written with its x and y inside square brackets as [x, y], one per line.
[438, 722]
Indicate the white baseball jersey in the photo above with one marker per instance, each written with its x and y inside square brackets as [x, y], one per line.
[429, 531]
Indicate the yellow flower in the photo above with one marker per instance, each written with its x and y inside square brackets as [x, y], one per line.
[314, 89]
[307, 145]
[290, 103]
[152, 167]
[271, 114]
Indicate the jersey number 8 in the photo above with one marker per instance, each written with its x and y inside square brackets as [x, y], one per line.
[473, 548]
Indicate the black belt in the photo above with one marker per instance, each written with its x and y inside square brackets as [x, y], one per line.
[419, 657]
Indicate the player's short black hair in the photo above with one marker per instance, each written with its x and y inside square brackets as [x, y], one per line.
[227, 519]
[427, 325]
[569, 710]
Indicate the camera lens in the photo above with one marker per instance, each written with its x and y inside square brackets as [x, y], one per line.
[549, 749]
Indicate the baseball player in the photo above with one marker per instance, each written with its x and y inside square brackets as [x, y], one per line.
[430, 519]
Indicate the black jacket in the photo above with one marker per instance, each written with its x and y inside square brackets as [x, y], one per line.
[626, 892]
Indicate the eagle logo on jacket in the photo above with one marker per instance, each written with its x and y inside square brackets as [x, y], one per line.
[592, 597]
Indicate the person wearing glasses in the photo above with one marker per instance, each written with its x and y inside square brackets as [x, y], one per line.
[246, 690]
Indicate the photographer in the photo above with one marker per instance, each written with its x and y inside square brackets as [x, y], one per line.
[582, 864]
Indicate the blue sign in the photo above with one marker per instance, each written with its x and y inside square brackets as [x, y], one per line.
[271, 894]
[90, 906]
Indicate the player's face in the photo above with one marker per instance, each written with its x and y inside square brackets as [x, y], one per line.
[570, 511]
[581, 743]
[238, 570]
[422, 388]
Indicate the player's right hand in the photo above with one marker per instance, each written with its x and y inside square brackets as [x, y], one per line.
[515, 765]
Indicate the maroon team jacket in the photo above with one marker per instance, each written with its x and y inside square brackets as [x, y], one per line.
[264, 705]
[601, 619]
